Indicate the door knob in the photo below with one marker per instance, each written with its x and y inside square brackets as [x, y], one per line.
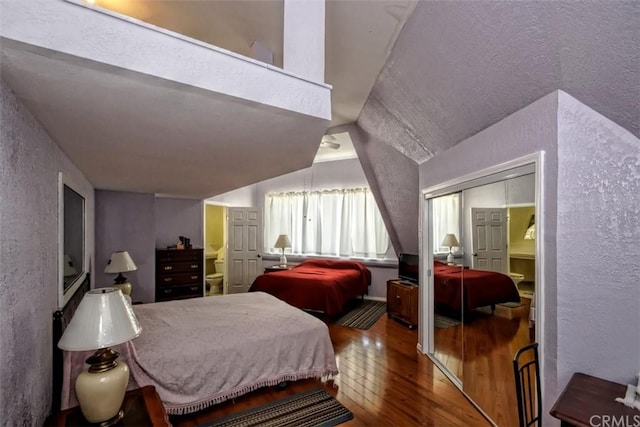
[475, 254]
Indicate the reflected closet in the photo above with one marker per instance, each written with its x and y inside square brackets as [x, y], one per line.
[482, 228]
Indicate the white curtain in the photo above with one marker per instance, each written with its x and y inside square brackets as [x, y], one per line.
[446, 220]
[345, 223]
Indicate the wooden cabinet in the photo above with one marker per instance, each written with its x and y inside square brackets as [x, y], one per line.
[402, 302]
[179, 274]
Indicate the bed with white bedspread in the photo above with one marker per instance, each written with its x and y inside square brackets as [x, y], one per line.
[203, 351]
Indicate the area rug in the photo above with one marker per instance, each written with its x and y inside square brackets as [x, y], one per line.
[315, 408]
[444, 322]
[364, 315]
[511, 304]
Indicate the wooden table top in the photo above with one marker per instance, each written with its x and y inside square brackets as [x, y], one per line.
[586, 397]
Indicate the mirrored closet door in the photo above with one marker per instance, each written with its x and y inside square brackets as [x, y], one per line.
[484, 276]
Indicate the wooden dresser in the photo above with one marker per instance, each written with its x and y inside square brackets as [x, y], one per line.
[402, 302]
[179, 274]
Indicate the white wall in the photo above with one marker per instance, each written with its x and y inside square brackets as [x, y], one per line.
[598, 246]
[81, 30]
[29, 165]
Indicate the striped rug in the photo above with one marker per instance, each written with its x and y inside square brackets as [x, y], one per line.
[364, 315]
[315, 408]
[443, 322]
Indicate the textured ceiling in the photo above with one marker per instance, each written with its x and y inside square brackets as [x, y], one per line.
[459, 67]
[128, 131]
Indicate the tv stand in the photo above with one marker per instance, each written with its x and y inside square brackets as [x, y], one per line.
[402, 302]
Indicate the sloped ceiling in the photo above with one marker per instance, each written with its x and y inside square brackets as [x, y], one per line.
[459, 67]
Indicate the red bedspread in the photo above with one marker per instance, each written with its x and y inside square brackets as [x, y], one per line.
[481, 288]
[322, 285]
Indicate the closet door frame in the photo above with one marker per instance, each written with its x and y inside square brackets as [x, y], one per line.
[532, 163]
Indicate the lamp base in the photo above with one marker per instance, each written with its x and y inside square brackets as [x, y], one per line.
[124, 287]
[450, 259]
[113, 421]
[100, 390]
[283, 260]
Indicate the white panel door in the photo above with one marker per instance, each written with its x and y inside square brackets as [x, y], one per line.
[489, 227]
[244, 262]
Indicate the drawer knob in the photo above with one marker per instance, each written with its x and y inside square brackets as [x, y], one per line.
[398, 296]
[168, 279]
[194, 265]
[194, 277]
[168, 267]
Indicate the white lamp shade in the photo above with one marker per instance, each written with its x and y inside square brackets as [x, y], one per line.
[450, 240]
[120, 262]
[282, 242]
[104, 318]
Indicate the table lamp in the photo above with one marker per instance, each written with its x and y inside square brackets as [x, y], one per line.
[121, 262]
[450, 240]
[103, 319]
[283, 242]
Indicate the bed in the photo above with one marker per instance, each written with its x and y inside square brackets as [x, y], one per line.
[319, 284]
[481, 288]
[203, 351]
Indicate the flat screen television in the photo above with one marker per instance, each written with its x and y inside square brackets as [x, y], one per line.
[408, 268]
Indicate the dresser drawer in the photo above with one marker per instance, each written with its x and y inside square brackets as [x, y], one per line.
[166, 293]
[179, 274]
[178, 267]
[178, 255]
[179, 279]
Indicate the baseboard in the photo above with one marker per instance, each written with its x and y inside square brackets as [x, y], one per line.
[375, 298]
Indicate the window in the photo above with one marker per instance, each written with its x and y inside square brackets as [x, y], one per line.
[446, 220]
[344, 223]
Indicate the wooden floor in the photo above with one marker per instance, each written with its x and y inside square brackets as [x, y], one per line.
[383, 381]
[480, 351]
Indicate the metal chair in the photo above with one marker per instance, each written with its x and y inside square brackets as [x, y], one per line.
[526, 372]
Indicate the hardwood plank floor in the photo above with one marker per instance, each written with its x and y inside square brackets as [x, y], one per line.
[383, 381]
[480, 353]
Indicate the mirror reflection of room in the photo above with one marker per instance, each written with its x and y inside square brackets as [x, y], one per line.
[488, 288]
[448, 314]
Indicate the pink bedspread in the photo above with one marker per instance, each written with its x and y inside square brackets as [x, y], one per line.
[203, 351]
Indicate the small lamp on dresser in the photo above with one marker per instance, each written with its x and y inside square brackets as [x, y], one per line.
[282, 243]
[121, 262]
[450, 240]
[103, 319]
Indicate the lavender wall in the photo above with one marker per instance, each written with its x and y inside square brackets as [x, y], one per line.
[598, 245]
[29, 165]
[336, 174]
[126, 221]
[529, 130]
[179, 217]
[393, 179]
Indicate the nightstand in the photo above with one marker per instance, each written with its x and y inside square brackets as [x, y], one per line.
[142, 407]
[280, 267]
[402, 302]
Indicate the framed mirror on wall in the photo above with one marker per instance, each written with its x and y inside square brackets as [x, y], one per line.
[484, 280]
[72, 239]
